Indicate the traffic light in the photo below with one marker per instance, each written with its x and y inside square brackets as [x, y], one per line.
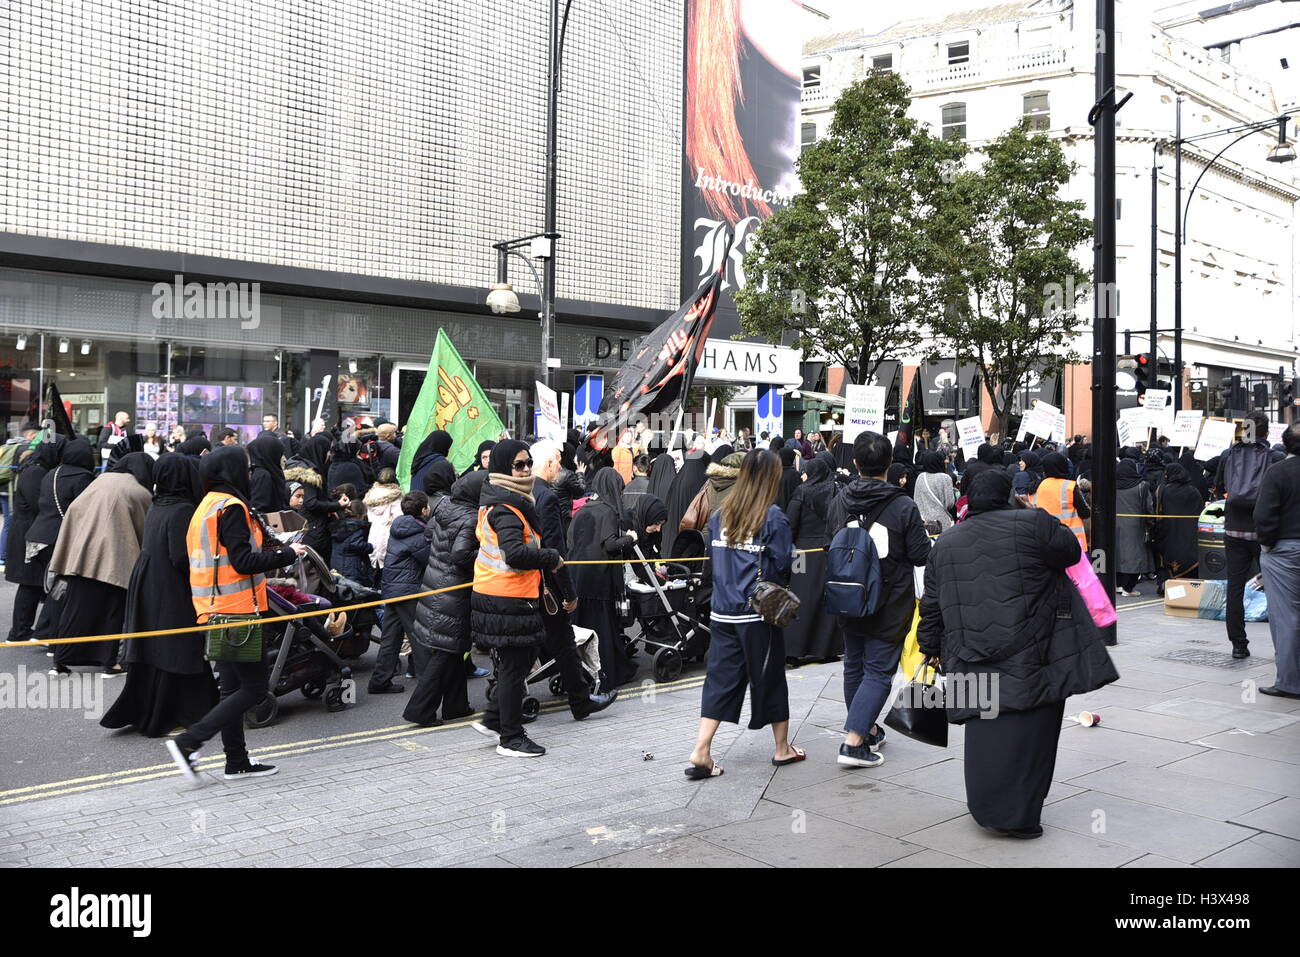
[1143, 372]
[1290, 388]
[1233, 392]
[1261, 395]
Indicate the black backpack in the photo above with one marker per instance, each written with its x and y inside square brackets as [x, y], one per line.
[1243, 473]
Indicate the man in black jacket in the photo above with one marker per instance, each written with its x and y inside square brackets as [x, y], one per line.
[1277, 522]
[1241, 470]
[559, 632]
[872, 645]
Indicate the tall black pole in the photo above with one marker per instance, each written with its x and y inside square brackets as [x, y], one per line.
[1178, 255]
[548, 267]
[1155, 264]
[1103, 332]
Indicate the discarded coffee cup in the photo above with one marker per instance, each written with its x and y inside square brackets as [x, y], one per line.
[1089, 718]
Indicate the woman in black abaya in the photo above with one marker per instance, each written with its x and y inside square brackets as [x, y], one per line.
[169, 685]
[29, 576]
[686, 485]
[60, 487]
[813, 633]
[309, 467]
[662, 472]
[270, 490]
[599, 532]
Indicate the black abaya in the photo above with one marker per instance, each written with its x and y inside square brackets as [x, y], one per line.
[686, 485]
[89, 608]
[598, 533]
[1009, 764]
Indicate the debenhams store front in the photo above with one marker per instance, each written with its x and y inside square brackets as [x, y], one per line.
[202, 351]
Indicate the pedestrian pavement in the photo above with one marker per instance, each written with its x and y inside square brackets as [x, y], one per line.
[1188, 767]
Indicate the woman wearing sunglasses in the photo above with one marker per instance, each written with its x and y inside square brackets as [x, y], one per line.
[505, 605]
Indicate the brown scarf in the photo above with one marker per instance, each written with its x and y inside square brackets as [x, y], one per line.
[520, 486]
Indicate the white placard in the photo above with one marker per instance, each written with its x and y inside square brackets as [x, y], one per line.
[1159, 412]
[1123, 432]
[1216, 438]
[1040, 421]
[971, 435]
[1275, 430]
[864, 410]
[1187, 428]
[549, 406]
[1058, 432]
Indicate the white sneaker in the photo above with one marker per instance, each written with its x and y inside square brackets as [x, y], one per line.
[487, 732]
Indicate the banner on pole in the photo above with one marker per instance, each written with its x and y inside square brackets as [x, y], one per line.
[549, 425]
[864, 410]
[1216, 438]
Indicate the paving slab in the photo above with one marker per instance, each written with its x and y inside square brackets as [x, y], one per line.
[807, 839]
[1282, 817]
[1179, 792]
[875, 805]
[1242, 694]
[1056, 848]
[1233, 716]
[1232, 768]
[1262, 850]
[679, 852]
[1170, 727]
[1276, 745]
[932, 859]
[1105, 741]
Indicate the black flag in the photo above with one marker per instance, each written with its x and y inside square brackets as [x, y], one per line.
[659, 373]
[56, 417]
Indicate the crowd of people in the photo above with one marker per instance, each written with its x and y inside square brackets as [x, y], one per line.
[137, 533]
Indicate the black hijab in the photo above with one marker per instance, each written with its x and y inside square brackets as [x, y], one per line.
[606, 489]
[787, 457]
[972, 470]
[1195, 474]
[226, 470]
[816, 471]
[648, 510]
[468, 489]
[439, 478]
[662, 472]
[176, 479]
[1056, 465]
[503, 456]
[139, 466]
[990, 490]
[931, 462]
[48, 453]
[77, 454]
[686, 485]
[436, 442]
[720, 453]
[1127, 475]
[314, 451]
[476, 466]
[1175, 474]
[194, 446]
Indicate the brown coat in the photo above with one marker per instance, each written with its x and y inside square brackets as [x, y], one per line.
[100, 537]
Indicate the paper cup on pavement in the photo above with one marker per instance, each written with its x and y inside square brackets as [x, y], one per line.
[1089, 718]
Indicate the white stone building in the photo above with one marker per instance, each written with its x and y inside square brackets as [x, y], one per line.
[975, 73]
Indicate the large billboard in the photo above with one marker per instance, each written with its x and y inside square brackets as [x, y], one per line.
[742, 76]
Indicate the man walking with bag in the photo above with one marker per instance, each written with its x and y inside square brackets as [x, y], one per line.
[873, 632]
[1277, 521]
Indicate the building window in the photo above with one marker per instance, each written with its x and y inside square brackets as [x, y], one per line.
[958, 53]
[1036, 110]
[954, 121]
[812, 77]
[808, 135]
[883, 62]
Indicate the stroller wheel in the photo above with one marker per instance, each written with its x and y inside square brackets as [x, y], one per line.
[312, 690]
[557, 686]
[334, 698]
[531, 709]
[262, 713]
[667, 664]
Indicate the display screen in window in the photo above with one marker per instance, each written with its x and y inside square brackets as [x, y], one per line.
[352, 389]
[201, 404]
[243, 406]
[155, 402]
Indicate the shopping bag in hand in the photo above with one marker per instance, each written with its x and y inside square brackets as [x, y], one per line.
[919, 713]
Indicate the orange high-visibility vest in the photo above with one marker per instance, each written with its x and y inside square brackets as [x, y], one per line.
[1056, 496]
[215, 587]
[492, 576]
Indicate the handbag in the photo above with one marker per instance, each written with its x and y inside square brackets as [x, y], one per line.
[243, 643]
[1092, 592]
[775, 604]
[919, 713]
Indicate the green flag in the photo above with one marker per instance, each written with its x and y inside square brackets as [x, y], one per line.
[450, 400]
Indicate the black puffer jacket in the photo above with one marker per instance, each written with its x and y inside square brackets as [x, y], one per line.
[405, 562]
[501, 622]
[442, 621]
[23, 511]
[568, 488]
[317, 507]
[995, 591]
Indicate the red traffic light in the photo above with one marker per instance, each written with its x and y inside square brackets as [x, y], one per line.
[1144, 360]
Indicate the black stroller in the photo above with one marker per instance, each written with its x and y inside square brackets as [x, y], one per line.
[304, 655]
[670, 603]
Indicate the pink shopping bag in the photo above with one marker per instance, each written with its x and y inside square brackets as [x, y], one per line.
[1092, 591]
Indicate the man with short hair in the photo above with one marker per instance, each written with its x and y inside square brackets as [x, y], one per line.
[227, 436]
[1277, 522]
[873, 644]
[112, 433]
[559, 632]
[271, 423]
[1241, 471]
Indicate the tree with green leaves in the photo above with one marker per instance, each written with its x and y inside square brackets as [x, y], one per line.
[1011, 281]
[848, 270]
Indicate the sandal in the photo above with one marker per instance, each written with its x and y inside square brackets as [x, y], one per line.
[698, 772]
[798, 756]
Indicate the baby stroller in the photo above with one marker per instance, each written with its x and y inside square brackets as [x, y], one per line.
[671, 605]
[311, 655]
[546, 669]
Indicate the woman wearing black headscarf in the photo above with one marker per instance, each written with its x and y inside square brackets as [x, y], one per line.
[1195, 476]
[790, 477]
[434, 448]
[438, 480]
[270, 490]
[686, 485]
[934, 493]
[662, 472]
[169, 685]
[646, 517]
[346, 469]
[1030, 474]
[599, 532]
[28, 574]
[309, 468]
[195, 446]
[1132, 499]
[998, 608]
[481, 458]
[813, 633]
[98, 546]
[239, 546]
[59, 488]
[1175, 535]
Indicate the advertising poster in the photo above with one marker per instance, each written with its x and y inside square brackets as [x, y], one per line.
[864, 410]
[743, 76]
[156, 402]
[243, 405]
[201, 404]
[352, 389]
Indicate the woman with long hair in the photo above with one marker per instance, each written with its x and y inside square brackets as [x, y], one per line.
[749, 542]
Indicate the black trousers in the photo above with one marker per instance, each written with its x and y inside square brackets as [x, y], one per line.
[559, 646]
[242, 684]
[26, 602]
[441, 684]
[397, 623]
[1243, 561]
[505, 709]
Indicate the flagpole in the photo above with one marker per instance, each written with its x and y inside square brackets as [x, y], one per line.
[677, 427]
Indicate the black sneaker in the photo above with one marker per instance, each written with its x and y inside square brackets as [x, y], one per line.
[594, 703]
[1021, 833]
[249, 769]
[1240, 651]
[876, 739]
[187, 759]
[859, 756]
[521, 747]
[391, 688]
